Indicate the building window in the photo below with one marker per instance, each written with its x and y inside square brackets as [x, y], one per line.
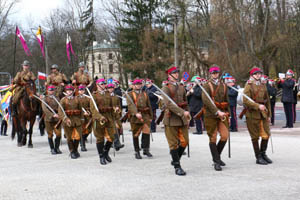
[99, 68]
[111, 68]
[99, 56]
[110, 56]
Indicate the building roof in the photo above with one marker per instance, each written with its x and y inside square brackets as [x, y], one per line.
[104, 46]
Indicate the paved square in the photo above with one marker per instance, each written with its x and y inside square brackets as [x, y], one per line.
[36, 174]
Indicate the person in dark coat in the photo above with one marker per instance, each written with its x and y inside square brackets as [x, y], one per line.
[117, 90]
[232, 94]
[195, 103]
[272, 91]
[150, 89]
[295, 95]
[287, 98]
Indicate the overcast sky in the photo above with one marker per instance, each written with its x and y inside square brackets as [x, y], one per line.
[28, 11]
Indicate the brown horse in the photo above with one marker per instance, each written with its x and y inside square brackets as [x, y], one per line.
[27, 109]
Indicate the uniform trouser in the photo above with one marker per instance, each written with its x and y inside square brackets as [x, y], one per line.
[50, 129]
[215, 125]
[273, 111]
[3, 127]
[258, 128]
[233, 119]
[73, 133]
[177, 136]
[102, 131]
[294, 112]
[137, 129]
[288, 110]
[198, 122]
[153, 124]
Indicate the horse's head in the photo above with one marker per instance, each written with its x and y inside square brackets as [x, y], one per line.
[30, 88]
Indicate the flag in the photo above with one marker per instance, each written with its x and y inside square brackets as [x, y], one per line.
[5, 101]
[22, 39]
[69, 48]
[42, 76]
[40, 39]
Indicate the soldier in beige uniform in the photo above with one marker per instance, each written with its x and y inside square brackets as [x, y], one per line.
[258, 115]
[57, 79]
[176, 118]
[216, 116]
[72, 120]
[140, 111]
[104, 121]
[81, 77]
[51, 120]
[20, 81]
[117, 114]
[87, 121]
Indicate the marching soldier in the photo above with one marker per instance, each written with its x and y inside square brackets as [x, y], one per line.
[258, 115]
[140, 110]
[52, 120]
[117, 114]
[81, 77]
[176, 118]
[216, 115]
[20, 80]
[57, 79]
[105, 121]
[71, 118]
[87, 121]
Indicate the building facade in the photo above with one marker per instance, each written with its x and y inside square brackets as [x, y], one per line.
[106, 58]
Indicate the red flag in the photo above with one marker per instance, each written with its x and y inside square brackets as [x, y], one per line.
[42, 76]
[23, 41]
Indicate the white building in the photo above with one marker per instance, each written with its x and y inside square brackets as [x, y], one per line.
[106, 60]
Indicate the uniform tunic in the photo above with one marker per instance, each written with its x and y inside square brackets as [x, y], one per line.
[139, 103]
[257, 120]
[213, 124]
[20, 80]
[176, 125]
[51, 121]
[85, 103]
[72, 108]
[56, 79]
[104, 103]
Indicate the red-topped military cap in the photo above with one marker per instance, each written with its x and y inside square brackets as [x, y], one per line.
[172, 70]
[255, 70]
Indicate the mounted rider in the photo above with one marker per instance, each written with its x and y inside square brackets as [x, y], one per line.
[20, 81]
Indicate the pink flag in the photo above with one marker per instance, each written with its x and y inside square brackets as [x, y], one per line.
[22, 39]
[40, 40]
[69, 47]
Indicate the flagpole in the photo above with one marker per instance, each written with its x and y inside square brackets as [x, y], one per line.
[15, 51]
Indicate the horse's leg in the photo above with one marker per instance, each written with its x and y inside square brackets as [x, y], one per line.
[23, 132]
[32, 120]
[17, 129]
